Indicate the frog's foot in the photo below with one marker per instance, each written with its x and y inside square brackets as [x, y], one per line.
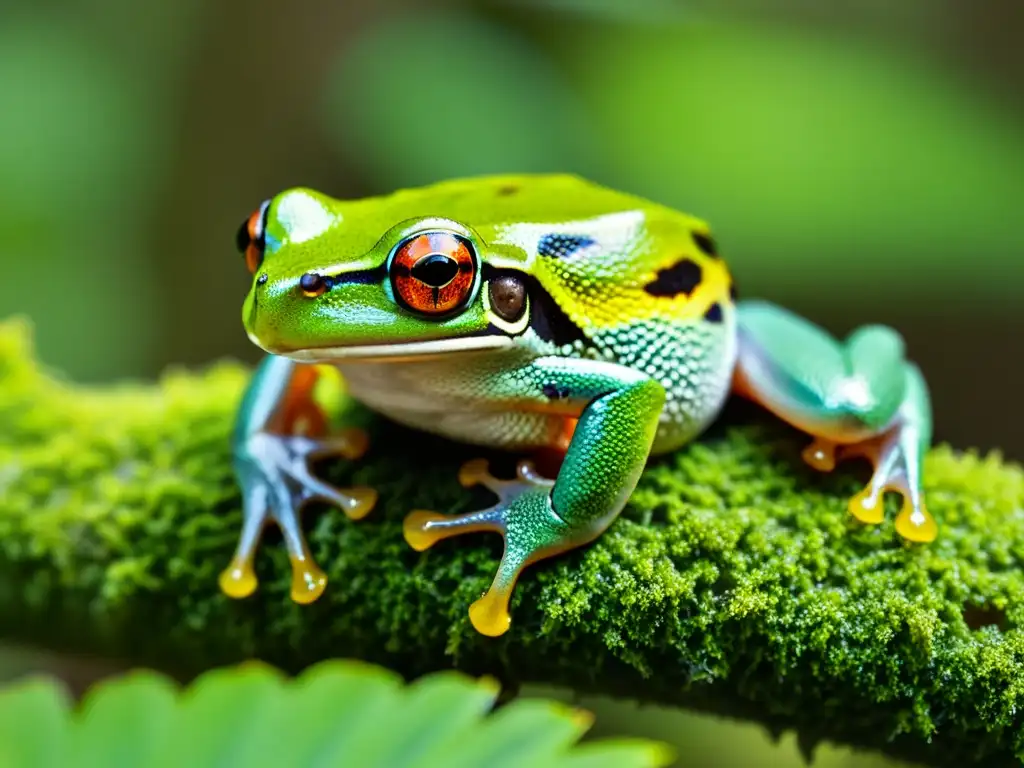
[276, 483]
[894, 465]
[894, 468]
[523, 516]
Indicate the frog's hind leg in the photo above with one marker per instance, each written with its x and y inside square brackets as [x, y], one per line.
[280, 431]
[860, 397]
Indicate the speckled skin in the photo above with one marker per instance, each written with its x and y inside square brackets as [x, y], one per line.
[621, 339]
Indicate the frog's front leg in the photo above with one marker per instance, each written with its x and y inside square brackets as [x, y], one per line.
[860, 397]
[618, 411]
[280, 429]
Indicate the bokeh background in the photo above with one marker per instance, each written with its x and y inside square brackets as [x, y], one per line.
[859, 160]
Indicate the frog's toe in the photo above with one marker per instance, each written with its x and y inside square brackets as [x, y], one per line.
[489, 615]
[358, 502]
[422, 529]
[532, 531]
[820, 455]
[475, 472]
[238, 580]
[914, 522]
[867, 506]
[351, 443]
[308, 581]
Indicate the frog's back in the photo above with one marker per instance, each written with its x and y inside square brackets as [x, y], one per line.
[642, 283]
[493, 201]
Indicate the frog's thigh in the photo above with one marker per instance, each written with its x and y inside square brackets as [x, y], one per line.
[854, 398]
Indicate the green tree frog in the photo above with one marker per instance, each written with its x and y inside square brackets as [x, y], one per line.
[530, 313]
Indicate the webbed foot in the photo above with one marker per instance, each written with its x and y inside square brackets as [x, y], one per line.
[525, 518]
[894, 466]
[276, 483]
[893, 470]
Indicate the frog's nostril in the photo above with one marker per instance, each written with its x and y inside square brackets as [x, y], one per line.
[313, 285]
[435, 269]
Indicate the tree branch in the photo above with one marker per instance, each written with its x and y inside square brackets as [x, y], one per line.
[735, 581]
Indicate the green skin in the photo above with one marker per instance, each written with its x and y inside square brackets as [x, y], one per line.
[621, 331]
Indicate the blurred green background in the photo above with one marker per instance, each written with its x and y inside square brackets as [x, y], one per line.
[860, 161]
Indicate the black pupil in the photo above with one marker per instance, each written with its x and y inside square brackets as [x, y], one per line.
[242, 237]
[436, 270]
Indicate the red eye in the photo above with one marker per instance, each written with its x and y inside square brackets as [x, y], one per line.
[433, 273]
[250, 238]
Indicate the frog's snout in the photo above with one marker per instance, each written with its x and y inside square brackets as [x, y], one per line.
[277, 311]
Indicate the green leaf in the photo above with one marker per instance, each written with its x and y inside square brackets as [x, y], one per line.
[337, 713]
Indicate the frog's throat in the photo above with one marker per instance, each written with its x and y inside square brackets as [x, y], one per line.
[404, 351]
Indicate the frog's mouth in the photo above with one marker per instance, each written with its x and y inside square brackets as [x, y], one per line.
[397, 352]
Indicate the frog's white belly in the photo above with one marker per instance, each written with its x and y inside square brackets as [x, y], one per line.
[457, 397]
[449, 400]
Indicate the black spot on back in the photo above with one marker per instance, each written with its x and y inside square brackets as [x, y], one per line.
[706, 243]
[714, 313]
[508, 189]
[562, 246]
[681, 278]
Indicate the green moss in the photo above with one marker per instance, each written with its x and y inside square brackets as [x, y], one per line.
[735, 581]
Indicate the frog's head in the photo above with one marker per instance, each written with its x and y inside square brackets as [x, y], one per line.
[335, 281]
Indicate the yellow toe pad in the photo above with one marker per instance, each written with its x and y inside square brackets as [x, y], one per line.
[308, 582]
[416, 529]
[358, 442]
[238, 580]
[867, 508]
[489, 615]
[363, 501]
[916, 524]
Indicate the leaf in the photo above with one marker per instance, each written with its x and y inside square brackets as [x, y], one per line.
[338, 713]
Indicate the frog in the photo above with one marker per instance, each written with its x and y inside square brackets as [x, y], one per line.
[526, 314]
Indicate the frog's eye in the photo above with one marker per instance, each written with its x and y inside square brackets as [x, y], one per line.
[251, 237]
[433, 273]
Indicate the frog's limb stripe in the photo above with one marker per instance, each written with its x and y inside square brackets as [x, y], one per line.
[272, 467]
[539, 518]
[859, 397]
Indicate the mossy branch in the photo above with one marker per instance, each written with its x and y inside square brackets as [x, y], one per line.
[735, 581]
